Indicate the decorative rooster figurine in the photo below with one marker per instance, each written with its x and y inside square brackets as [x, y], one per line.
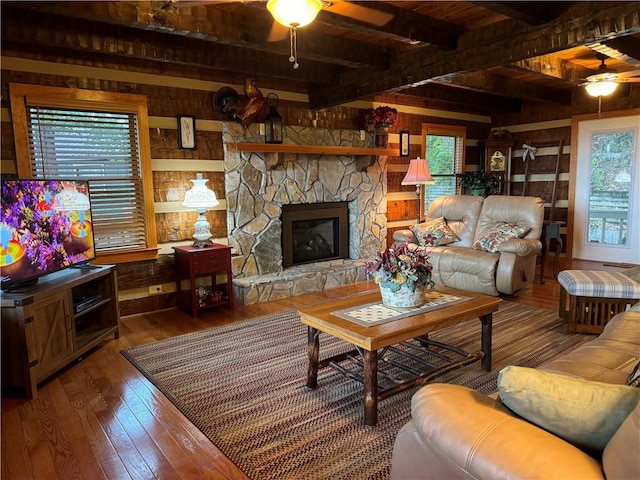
[228, 101]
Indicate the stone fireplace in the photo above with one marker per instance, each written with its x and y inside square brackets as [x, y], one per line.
[256, 195]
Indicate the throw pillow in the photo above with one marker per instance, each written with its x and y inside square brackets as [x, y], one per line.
[633, 380]
[582, 412]
[498, 234]
[434, 233]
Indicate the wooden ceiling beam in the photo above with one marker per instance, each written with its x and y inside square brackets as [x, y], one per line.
[531, 13]
[405, 26]
[215, 25]
[550, 66]
[73, 35]
[499, 85]
[626, 49]
[588, 22]
[464, 97]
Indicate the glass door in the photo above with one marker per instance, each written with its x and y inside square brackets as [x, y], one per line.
[607, 193]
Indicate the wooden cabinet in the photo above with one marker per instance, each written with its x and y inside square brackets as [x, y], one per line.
[195, 262]
[48, 325]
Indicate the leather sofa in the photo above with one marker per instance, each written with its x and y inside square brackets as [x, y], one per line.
[460, 265]
[456, 432]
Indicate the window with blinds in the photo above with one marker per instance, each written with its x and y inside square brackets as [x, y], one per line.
[101, 147]
[444, 147]
[101, 137]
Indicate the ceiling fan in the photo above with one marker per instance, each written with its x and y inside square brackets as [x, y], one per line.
[605, 81]
[293, 14]
[344, 8]
[289, 15]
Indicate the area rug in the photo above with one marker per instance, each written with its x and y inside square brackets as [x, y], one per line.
[243, 386]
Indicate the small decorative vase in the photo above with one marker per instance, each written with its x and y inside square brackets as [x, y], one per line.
[381, 137]
[403, 298]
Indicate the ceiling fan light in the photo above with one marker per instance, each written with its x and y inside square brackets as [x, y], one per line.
[601, 89]
[294, 13]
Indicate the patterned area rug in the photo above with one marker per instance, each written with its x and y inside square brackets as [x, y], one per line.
[243, 386]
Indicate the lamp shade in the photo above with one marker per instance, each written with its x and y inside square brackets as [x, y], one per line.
[70, 199]
[294, 13]
[418, 173]
[199, 196]
[601, 88]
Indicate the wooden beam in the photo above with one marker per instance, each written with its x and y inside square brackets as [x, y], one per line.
[453, 95]
[70, 34]
[588, 22]
[531, 13]
[626, 49]
[405, 26]
[498, 85]
[550, 66]
[215, 25]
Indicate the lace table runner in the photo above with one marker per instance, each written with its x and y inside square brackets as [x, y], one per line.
[377, 313]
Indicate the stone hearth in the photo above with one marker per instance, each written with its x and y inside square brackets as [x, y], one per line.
[255, 196]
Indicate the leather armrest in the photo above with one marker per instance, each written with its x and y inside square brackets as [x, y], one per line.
[401, 236]
[477, 437]
[521, 246]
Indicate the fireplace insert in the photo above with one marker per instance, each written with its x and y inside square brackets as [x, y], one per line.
[314, 232]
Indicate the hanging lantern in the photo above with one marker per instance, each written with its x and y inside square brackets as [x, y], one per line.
[273, 121]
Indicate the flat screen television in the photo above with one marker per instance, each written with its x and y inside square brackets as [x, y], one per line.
[45, 227]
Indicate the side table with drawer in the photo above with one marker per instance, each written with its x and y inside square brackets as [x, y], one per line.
[193, 262]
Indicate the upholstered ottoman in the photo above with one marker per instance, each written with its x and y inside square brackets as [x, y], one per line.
[596, 296]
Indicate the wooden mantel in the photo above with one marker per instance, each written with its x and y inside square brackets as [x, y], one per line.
[274, 152]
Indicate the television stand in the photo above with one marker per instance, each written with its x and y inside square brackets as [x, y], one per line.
[85, 266]
[49, 325]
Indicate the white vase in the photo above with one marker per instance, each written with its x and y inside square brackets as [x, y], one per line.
[403, 298]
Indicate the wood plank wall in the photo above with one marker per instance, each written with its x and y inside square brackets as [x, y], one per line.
[172, 91]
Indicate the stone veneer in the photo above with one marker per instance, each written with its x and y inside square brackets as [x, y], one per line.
[255, 196]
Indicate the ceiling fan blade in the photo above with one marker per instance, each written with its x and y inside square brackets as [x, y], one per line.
[628, 75]
[278, 32]
[358, 12]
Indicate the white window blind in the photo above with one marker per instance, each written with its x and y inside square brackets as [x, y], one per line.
[101, 147]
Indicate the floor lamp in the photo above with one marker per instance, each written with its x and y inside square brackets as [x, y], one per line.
[418, 174]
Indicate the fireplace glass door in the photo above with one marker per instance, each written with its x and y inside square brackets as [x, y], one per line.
[314, 233]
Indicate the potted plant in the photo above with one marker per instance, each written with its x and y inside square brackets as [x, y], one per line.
[403, 274]
[380, 119]
[480, 183]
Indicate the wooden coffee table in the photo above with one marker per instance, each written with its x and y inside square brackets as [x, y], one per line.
[369, 339]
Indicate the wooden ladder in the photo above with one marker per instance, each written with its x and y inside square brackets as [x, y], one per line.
[528, 172]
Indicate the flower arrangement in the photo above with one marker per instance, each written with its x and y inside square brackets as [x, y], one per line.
[399, 265]
[381, 117]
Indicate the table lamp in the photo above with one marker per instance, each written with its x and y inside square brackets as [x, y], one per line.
[201, 199]
[418, 174]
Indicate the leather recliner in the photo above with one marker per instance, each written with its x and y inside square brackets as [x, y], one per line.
[460, 265]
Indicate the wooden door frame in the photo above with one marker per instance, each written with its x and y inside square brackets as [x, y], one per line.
[573, 164]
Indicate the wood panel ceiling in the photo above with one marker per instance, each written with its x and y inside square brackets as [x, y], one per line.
[472, 55]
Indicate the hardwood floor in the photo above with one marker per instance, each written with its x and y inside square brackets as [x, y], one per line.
[100, 418]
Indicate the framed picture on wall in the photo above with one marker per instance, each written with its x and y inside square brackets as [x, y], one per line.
[404, 143]
[186, 132]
